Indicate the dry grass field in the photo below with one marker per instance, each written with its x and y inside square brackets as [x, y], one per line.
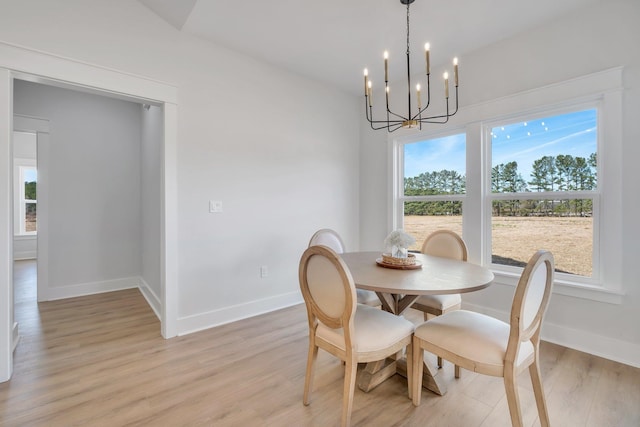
[515, 239]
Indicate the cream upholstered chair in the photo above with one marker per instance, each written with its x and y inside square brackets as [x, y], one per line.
[446, 244]
[489, 346]
[331, 239]
[352, 332]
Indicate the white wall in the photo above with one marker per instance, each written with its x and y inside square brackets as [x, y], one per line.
[24, 148]
[151, 199]
[280, 151]
[599, 37]
[93, 172]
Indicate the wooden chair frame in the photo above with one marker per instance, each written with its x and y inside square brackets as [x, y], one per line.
[427, 309]
[317, 235]
[363, 296]
[518, 333]
[345, 320]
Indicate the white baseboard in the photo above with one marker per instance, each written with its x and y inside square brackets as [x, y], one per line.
[624, 352]
[152, 299]
[15, 336]
[81, 289]
[187, 325]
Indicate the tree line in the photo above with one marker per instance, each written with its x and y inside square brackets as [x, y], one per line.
[549, 173]
[30, 190]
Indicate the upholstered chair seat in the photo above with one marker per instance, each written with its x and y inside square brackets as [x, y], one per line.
[474, 337]
[442, 303]
[492, 347]
[373, 332]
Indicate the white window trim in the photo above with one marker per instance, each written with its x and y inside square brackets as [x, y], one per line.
[604, 88]
[596, 277]
[19, 201]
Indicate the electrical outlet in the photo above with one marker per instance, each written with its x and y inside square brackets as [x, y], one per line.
[264, 271]
[215, 206]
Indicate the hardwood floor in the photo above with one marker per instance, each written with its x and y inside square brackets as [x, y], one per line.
[100, 361]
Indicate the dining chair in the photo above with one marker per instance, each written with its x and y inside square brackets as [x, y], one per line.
[445, 244]
[354, 333]
[489, 346]
[332, 239]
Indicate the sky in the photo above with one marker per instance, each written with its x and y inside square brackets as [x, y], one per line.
[30, 175]
[572, 133]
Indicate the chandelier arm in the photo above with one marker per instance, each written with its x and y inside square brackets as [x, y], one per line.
[402, 118]
[387, 126]
[369, 115]
[447, 115]
[387, 123]
[391, 122]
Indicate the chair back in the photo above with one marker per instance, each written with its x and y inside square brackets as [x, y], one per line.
[531, 300]
[329, 238]
[445, 244]
[327, 288]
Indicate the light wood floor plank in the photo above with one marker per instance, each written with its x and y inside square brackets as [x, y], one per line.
[100, 361]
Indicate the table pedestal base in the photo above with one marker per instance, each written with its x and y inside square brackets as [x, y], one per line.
[376, 372]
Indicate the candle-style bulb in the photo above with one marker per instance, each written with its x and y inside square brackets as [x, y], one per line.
[366, 79]
[418, 96]
[386, 66]
[427, 46]
[446, 84]
[455, 71]
[369, 92]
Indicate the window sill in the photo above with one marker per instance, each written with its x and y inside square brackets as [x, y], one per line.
[25, 236]
[571, 289]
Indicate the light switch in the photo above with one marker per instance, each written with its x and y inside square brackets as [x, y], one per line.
[215, 206]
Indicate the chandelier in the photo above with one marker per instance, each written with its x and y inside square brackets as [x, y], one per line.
[413, 119]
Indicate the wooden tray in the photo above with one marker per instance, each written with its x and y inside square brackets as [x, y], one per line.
[415, 266]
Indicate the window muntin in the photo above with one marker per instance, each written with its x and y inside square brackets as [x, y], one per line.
[548, 168]
[434, 185]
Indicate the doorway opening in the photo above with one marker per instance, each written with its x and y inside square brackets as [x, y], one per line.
[61, 72]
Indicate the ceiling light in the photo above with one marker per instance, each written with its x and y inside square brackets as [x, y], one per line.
[413, 118]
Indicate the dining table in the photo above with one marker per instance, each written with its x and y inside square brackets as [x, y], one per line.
[399, 286]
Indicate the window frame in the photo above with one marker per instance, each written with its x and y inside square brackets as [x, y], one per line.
[489, 196]
[20, 165]
[602, 89]
[398, 178]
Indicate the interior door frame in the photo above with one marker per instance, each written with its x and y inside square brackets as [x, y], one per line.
[41, 128]
[20, 63]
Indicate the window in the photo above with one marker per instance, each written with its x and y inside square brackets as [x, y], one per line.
[27, 201]
[434, 184]
[541, 170]
[544, 183]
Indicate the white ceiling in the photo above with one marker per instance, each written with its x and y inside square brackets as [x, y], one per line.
[333, 40]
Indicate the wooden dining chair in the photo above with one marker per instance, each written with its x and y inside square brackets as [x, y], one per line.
[489, 346]
[445, 244]
[352, 332]
[330, 238]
